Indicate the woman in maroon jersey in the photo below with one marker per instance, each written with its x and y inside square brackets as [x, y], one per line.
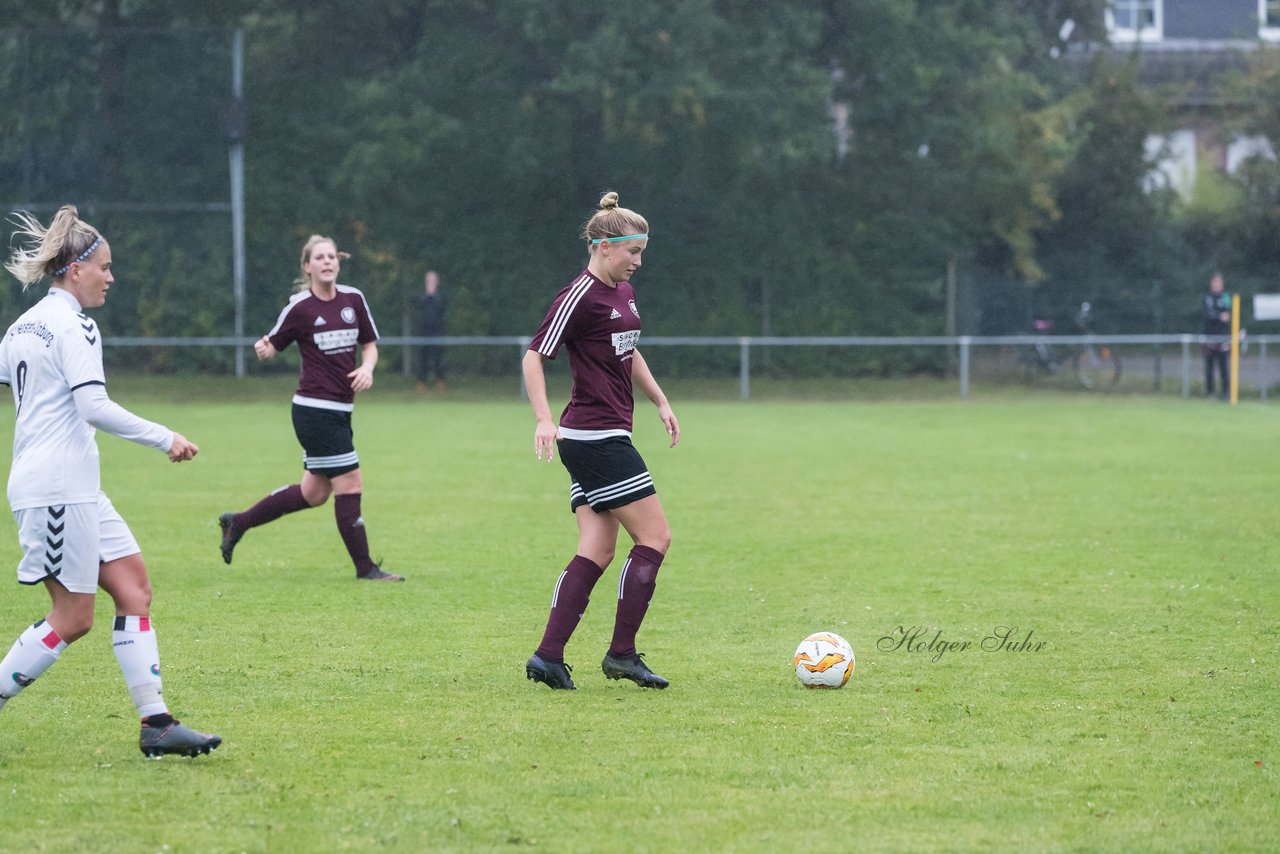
[595, 318]
[329, 321]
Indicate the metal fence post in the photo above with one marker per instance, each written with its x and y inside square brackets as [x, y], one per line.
[964, 366]
[236, 168]
[1262, 369]
[1186, 366]
[744, 367]
[524, 348]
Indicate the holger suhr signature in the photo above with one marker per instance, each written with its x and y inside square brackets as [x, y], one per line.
[921, 639]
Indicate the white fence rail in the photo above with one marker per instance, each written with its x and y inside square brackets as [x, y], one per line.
[963, 346]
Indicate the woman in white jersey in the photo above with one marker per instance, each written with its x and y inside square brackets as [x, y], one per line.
[329, 322]
[73, 540]
[596, 319]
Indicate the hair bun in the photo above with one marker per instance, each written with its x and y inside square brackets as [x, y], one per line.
[608, 201]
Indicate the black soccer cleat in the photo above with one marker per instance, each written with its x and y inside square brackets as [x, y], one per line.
[155, 742]
[230, 536]
[377, 574]
[554, 675]
[632, 668]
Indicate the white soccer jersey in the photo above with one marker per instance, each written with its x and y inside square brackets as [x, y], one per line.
[49, 352]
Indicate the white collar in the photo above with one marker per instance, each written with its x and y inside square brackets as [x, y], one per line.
[65, 294]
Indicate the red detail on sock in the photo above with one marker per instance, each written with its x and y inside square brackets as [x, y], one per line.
[51, 640]
[144, 624]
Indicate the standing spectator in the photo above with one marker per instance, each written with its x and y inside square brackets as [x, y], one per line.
[595, 320]
[430, 316]
[329, 321]
[1216, 312]
[73, 540]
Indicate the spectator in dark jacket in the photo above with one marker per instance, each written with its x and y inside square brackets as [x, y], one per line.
[1216, 313]
[430, 324]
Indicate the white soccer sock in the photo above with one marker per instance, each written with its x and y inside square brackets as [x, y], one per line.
[34, 652]
[138, 652]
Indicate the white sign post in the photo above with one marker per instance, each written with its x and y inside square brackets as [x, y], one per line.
[1266, 306]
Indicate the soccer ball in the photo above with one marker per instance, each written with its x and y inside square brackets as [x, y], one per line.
[824, 660]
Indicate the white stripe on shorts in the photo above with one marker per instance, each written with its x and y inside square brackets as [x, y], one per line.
[632, 484]
[330, 462]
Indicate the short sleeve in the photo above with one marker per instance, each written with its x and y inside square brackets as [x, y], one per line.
[368, 330]
[284, 332]
[561, 321]
[79, 355]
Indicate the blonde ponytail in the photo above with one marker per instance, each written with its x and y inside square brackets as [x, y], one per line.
[50, 251]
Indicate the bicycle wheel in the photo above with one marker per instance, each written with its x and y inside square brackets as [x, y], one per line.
[1096, 367]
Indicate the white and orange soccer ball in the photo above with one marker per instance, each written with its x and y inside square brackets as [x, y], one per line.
[824, 660]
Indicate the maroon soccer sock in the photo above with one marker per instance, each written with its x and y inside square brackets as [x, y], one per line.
[346, 510]
[636, 583]
[568, 604]
[286, 499]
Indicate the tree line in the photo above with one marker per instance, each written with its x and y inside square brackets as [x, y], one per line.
[808, 168]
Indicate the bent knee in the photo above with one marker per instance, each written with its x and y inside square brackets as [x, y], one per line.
[140, 601]
[659, 540]
[315, 499]
[72, 629]
[601, 556]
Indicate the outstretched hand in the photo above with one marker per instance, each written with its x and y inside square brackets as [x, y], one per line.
[182, 449]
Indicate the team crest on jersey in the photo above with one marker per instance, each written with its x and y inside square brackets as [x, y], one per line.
[613, 315]
[349, 314]
[634, 310]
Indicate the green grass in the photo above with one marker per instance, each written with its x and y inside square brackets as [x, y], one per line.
[1134, 537]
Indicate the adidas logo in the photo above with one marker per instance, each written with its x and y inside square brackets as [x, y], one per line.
[319, 322]
[613, 315]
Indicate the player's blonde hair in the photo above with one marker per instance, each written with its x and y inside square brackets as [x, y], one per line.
[612, 221]
[304, 280]
[49, 251]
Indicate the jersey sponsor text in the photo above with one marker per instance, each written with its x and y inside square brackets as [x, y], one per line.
[337, 339]
[625, 342]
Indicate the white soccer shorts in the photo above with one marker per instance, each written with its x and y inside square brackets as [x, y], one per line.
[69, 542]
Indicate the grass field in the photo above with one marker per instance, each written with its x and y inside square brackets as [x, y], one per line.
[1134, 538]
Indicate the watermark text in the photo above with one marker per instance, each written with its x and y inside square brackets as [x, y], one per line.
[932, 642]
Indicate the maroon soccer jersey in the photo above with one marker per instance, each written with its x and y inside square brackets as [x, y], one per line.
[328, 334]
[599, 326]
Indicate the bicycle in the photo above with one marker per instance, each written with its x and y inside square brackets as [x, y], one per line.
[1095, 366]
